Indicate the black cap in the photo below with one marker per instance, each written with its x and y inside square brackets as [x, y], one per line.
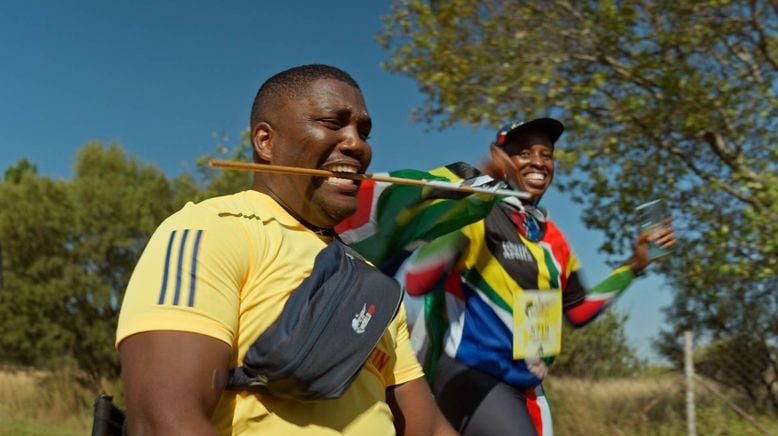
[550, 126]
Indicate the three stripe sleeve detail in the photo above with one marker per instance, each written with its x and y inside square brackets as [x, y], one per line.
[179, 262]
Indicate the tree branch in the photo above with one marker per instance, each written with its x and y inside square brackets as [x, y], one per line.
[690, 163]
[762, 40]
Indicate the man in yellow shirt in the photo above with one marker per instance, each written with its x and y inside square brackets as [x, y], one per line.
[216, 274]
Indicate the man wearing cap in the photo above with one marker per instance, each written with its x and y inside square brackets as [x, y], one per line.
[483, 283]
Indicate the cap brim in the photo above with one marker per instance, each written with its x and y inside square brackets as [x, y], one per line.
[550, 126]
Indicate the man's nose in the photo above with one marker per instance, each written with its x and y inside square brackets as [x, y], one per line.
[353, 143]
[536, 159]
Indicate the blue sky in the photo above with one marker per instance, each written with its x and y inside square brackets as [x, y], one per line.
[167, 80]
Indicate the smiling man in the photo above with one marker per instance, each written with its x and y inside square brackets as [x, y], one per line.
[486, 286]
[216, 274]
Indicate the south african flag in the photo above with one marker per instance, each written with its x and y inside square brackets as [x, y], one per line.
[392, 220]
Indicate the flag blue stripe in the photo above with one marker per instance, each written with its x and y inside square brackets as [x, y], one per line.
[180, 268]
[167, 265]
[193, 277]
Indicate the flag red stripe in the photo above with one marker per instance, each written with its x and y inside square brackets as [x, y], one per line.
[534, 410]
[364, 208]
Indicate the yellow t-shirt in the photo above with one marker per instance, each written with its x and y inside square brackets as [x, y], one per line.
[224, 268]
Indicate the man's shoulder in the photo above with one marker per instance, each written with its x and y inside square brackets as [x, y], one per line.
[245, 205]
[554, 235]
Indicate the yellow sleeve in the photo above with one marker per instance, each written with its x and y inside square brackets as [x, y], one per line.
[188, 278]
[573, 264]
[406, 367]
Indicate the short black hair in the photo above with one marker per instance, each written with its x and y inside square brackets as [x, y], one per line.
[292, 83]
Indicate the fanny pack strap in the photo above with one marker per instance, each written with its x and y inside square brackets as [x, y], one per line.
[328, 328]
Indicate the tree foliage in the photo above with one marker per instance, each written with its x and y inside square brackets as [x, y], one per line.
[600, 350]
[220, 182]
[69, 247]
[14, 173]
[672, 99]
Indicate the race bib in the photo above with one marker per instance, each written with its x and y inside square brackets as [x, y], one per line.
[537, 323]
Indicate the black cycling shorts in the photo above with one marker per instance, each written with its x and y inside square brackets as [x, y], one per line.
[479, 404]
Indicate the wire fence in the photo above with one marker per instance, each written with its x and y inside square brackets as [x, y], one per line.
[713, 388]
[733, 394]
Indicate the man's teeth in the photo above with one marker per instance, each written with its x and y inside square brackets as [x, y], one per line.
[535, 176]
[341, 169]
[339, 181]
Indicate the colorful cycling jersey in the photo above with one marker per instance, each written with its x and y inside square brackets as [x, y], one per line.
[474, 257]
[480, 267]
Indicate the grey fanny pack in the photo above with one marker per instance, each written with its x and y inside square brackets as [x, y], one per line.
[329, 326]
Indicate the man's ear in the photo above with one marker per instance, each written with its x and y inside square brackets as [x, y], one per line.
[261, 139]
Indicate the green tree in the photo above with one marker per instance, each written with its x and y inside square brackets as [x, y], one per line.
[662, 98]
[599, 350]
[34, 228]
[217, 181]
[743, 361]
[15, 172]
[69, 249]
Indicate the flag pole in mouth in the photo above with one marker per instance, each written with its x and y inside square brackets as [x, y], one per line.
[439, 184]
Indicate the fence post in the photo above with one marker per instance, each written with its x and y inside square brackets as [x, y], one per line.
[688, 351]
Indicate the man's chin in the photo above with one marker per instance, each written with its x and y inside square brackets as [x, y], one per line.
[334, 214]
[535, 191]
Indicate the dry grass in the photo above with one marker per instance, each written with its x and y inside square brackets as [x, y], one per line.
[19, 390]
[641, 406]
[621, 406]
[36, 403]
[40, 403]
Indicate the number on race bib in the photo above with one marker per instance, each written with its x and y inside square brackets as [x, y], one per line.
[537, 323]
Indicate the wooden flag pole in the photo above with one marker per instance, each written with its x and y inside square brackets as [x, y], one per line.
[440, 184]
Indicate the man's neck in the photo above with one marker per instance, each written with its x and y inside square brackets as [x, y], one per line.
[329, 232]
